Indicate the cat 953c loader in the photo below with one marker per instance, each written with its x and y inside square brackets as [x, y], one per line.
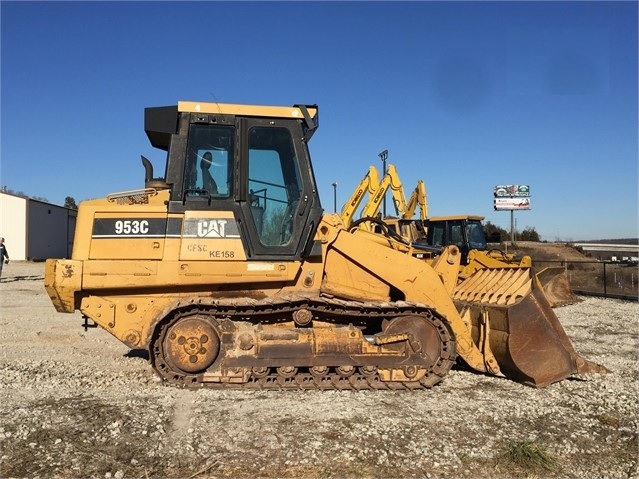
[227, 271]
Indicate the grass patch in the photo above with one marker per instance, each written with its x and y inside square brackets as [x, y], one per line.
[608, 420]
[531, 456]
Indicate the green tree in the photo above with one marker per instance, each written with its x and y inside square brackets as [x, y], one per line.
[529, 234]
[495, 234]
[69, 202]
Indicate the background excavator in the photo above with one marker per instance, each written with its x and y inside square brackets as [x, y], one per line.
[253, 286]
[467, 232]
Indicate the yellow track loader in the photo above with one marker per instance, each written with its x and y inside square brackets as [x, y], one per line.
[248, 284]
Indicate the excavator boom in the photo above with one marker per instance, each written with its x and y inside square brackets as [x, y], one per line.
[417, 198]
[370, 184]
[389, 181]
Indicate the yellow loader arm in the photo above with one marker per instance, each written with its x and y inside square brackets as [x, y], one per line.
[503, 326]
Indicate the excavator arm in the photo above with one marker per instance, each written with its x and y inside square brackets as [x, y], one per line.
[370, 184]
[404, 209]
[418, 198]
[389, 181]
[502, 321]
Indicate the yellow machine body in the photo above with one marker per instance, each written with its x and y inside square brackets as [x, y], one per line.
[252, 285]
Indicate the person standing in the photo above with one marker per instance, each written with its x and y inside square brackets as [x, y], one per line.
[3, 254]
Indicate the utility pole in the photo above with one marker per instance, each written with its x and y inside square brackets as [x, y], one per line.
[384, 156]
[335, 197]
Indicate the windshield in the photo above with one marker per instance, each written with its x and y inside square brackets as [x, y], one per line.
[475, 235]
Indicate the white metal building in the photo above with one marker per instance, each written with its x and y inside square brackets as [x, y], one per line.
[35, 230]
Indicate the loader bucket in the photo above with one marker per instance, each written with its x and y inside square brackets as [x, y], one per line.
[556, 287]
[527, 340]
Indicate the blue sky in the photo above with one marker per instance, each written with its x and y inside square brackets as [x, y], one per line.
[465, 96]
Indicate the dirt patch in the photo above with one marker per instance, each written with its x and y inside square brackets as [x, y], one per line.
[77, 403]
[539, 251]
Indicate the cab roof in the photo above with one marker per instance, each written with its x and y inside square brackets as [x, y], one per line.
[161, 122]
[246, 110]
[456, 218]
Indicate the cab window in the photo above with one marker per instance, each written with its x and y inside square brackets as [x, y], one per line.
[208, 165]
[437, 234]
[476, 236]
[456, 237]
[274, 184]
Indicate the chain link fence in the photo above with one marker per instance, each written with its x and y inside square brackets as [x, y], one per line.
[599, 278]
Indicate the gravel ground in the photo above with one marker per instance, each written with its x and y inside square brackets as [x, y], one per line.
[81, 404]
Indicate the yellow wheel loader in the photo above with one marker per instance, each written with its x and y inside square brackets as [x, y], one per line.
[248, 284]
[467, 232]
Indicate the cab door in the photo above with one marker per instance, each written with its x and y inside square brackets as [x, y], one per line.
[279, 201]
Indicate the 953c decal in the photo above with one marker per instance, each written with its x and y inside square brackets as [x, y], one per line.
[129, 227]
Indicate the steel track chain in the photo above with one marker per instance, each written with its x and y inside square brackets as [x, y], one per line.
[329, 310]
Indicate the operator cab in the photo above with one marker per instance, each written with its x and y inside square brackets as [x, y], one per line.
[466, 232]
[252, 161]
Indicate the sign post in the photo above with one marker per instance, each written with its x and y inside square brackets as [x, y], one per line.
[511, 198]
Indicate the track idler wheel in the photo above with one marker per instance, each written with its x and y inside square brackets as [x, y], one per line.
[424, 338]
[191, 345]
[345, 371]
[368, 371]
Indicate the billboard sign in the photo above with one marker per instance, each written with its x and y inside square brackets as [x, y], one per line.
[517, 191]
[512, 203]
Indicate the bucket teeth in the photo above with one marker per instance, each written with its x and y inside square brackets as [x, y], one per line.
[513, 322]
[495, 286]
